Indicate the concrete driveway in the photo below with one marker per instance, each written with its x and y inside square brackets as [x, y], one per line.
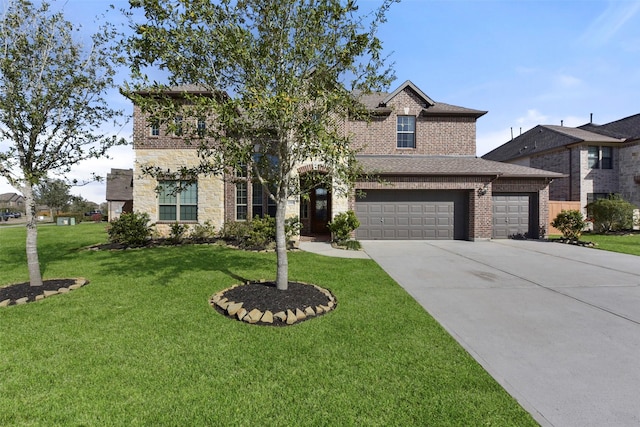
[557, 326]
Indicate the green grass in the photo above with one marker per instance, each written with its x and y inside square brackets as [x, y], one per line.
[140, 346]
[625, 243]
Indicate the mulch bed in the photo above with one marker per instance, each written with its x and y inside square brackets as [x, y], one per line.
[264, 296]
[21, 290]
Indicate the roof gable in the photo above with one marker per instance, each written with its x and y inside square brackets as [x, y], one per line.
[377, 103]
[409, 85]
[544, 138]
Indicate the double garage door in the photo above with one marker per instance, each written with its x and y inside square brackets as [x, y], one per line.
[439, 215]
[412, 215]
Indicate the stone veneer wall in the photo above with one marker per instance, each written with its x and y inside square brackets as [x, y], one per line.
[597, 180]
[629, 166]
[210, 188]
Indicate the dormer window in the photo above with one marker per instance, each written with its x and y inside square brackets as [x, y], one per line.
[406, 132]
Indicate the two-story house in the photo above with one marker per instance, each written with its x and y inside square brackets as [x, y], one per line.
[428, 182]
[597, 160]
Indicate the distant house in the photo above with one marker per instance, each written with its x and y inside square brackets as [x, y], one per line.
[431, 186]
[12, 202]
[597, 159]
[119, 192]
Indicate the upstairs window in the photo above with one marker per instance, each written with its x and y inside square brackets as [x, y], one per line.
[155, 128]
[178, 204]
[600, 157]
[606, 158]
[178, 125]
[406, 132]
[594, 157]
[202, 128]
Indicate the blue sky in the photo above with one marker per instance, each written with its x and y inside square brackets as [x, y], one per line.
[526, 62]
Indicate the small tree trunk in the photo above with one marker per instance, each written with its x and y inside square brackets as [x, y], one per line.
[33, 263]
[282, 276]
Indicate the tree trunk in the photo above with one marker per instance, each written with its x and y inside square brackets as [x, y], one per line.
[282, 276]
[33, 263]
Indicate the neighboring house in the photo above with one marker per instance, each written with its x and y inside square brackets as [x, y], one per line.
[597, 159]
[119, 192]
[12, 202]
[429, 183]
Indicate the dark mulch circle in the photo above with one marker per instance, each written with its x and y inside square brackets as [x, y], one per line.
[21, 290]
[264, 296]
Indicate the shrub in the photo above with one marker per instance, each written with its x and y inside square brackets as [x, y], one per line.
[234, 232]
[262, 233]
[570, 223]
[342, 226]
[259, 233]
[203, 231]
[177, 232]
[611, 214]
[131, 229]
[292, 227]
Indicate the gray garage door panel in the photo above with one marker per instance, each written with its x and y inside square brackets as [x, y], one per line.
[511, 215]
[411, 215]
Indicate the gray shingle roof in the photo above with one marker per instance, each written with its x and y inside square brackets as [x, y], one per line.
[627, 128]
[377, 103]
[447, 166]
[120, 184]
[543, 138]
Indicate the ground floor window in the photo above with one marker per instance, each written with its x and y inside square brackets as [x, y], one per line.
[261, 203]
[178, 201]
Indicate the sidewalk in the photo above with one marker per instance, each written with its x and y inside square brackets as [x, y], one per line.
[325, 248]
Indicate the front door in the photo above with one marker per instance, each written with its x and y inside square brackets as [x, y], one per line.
[320, 210]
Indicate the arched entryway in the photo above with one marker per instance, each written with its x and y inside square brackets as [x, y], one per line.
[315, 205]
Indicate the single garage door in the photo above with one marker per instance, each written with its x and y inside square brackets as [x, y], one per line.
[511, 215]
[411, 215]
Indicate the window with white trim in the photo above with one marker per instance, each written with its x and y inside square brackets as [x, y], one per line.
[177, 201]
[406, 132]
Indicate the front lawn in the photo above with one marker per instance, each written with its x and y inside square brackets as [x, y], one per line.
[625, 243]
[141, 346]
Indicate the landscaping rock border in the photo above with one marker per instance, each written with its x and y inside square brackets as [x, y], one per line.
[77, 283]
[239, 311]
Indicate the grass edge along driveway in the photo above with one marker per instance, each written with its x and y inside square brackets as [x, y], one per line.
[141, 346]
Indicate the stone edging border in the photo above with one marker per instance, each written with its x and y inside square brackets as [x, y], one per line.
[79, 282]
[235, 309]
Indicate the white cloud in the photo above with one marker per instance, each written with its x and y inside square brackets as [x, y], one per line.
[567, 81]
[610, 22]
[532, 118]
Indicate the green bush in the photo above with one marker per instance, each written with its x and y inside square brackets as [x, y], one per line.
[259, 233]
[570, 223]
[131, 229]
[292, 227]
[611, 214]
[203, 231]
[177, 232]
[262, 233]
[342, 226]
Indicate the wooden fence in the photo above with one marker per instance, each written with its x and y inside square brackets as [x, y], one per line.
[555, 207]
